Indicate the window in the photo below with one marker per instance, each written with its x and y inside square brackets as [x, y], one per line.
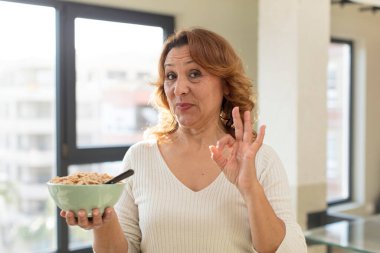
[70, 99]
[110, 49]
[27, 46]
[35, 109]
[339, 103]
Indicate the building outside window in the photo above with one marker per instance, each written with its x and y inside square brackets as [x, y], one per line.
[113, 49]
[27, 46]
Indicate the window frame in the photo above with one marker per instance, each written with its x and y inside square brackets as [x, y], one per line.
[66, 83]
[67, 152]
[350, 43]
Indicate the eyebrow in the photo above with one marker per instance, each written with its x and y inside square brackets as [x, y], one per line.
[170, 65]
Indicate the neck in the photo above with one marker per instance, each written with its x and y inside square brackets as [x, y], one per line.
[199, 137]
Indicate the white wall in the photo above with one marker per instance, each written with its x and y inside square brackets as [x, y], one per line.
[363, 29]
[293, 54]
[236, 20]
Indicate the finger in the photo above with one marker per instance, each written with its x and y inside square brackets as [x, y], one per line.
[70, 218]
[217, 156]
[62, 213]
[108, 214]
[260, 137]
[247, 136]
[238, 124]
[234, 151]
[226, 140]
[82, 218]
[97, 220]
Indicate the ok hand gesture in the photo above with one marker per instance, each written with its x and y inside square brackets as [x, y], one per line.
[236, 156]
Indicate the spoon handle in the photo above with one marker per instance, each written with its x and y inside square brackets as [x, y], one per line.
[120, 177]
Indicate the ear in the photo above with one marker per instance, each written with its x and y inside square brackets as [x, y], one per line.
[226, 88]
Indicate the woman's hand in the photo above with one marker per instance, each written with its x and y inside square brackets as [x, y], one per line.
[236, 156]
[84, 222]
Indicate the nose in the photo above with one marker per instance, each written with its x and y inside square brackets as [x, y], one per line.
[181, 86]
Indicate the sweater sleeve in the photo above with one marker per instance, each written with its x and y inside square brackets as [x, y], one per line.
[127, 212]
[273, 178]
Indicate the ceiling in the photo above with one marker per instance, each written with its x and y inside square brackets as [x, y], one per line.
[363, 5]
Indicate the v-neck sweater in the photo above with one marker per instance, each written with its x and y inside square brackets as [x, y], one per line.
[159, 214]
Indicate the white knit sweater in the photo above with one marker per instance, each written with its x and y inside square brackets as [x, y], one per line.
[159, 214]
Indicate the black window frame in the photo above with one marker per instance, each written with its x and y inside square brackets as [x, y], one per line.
[67, 152]
[350, 43]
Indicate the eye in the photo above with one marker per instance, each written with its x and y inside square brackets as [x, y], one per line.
[194, 73]
[170, 76]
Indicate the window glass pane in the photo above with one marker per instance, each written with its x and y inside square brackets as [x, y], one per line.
[27, 129]
[115, 64]
[80, 238]
[338, 106]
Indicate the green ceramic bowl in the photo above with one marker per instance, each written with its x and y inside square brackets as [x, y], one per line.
[87, 197]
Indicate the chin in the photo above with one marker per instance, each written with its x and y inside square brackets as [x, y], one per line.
[186, 123]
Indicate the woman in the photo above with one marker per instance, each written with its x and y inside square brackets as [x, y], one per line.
[206, 182]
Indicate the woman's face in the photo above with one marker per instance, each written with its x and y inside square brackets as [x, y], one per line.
[194, 95]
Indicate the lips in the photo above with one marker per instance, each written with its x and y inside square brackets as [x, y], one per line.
[183, 106]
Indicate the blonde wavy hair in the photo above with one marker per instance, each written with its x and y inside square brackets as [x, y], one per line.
[213, 53]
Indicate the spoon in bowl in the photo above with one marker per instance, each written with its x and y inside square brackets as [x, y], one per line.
[120, 177]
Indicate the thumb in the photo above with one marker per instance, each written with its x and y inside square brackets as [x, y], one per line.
[217, 156]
